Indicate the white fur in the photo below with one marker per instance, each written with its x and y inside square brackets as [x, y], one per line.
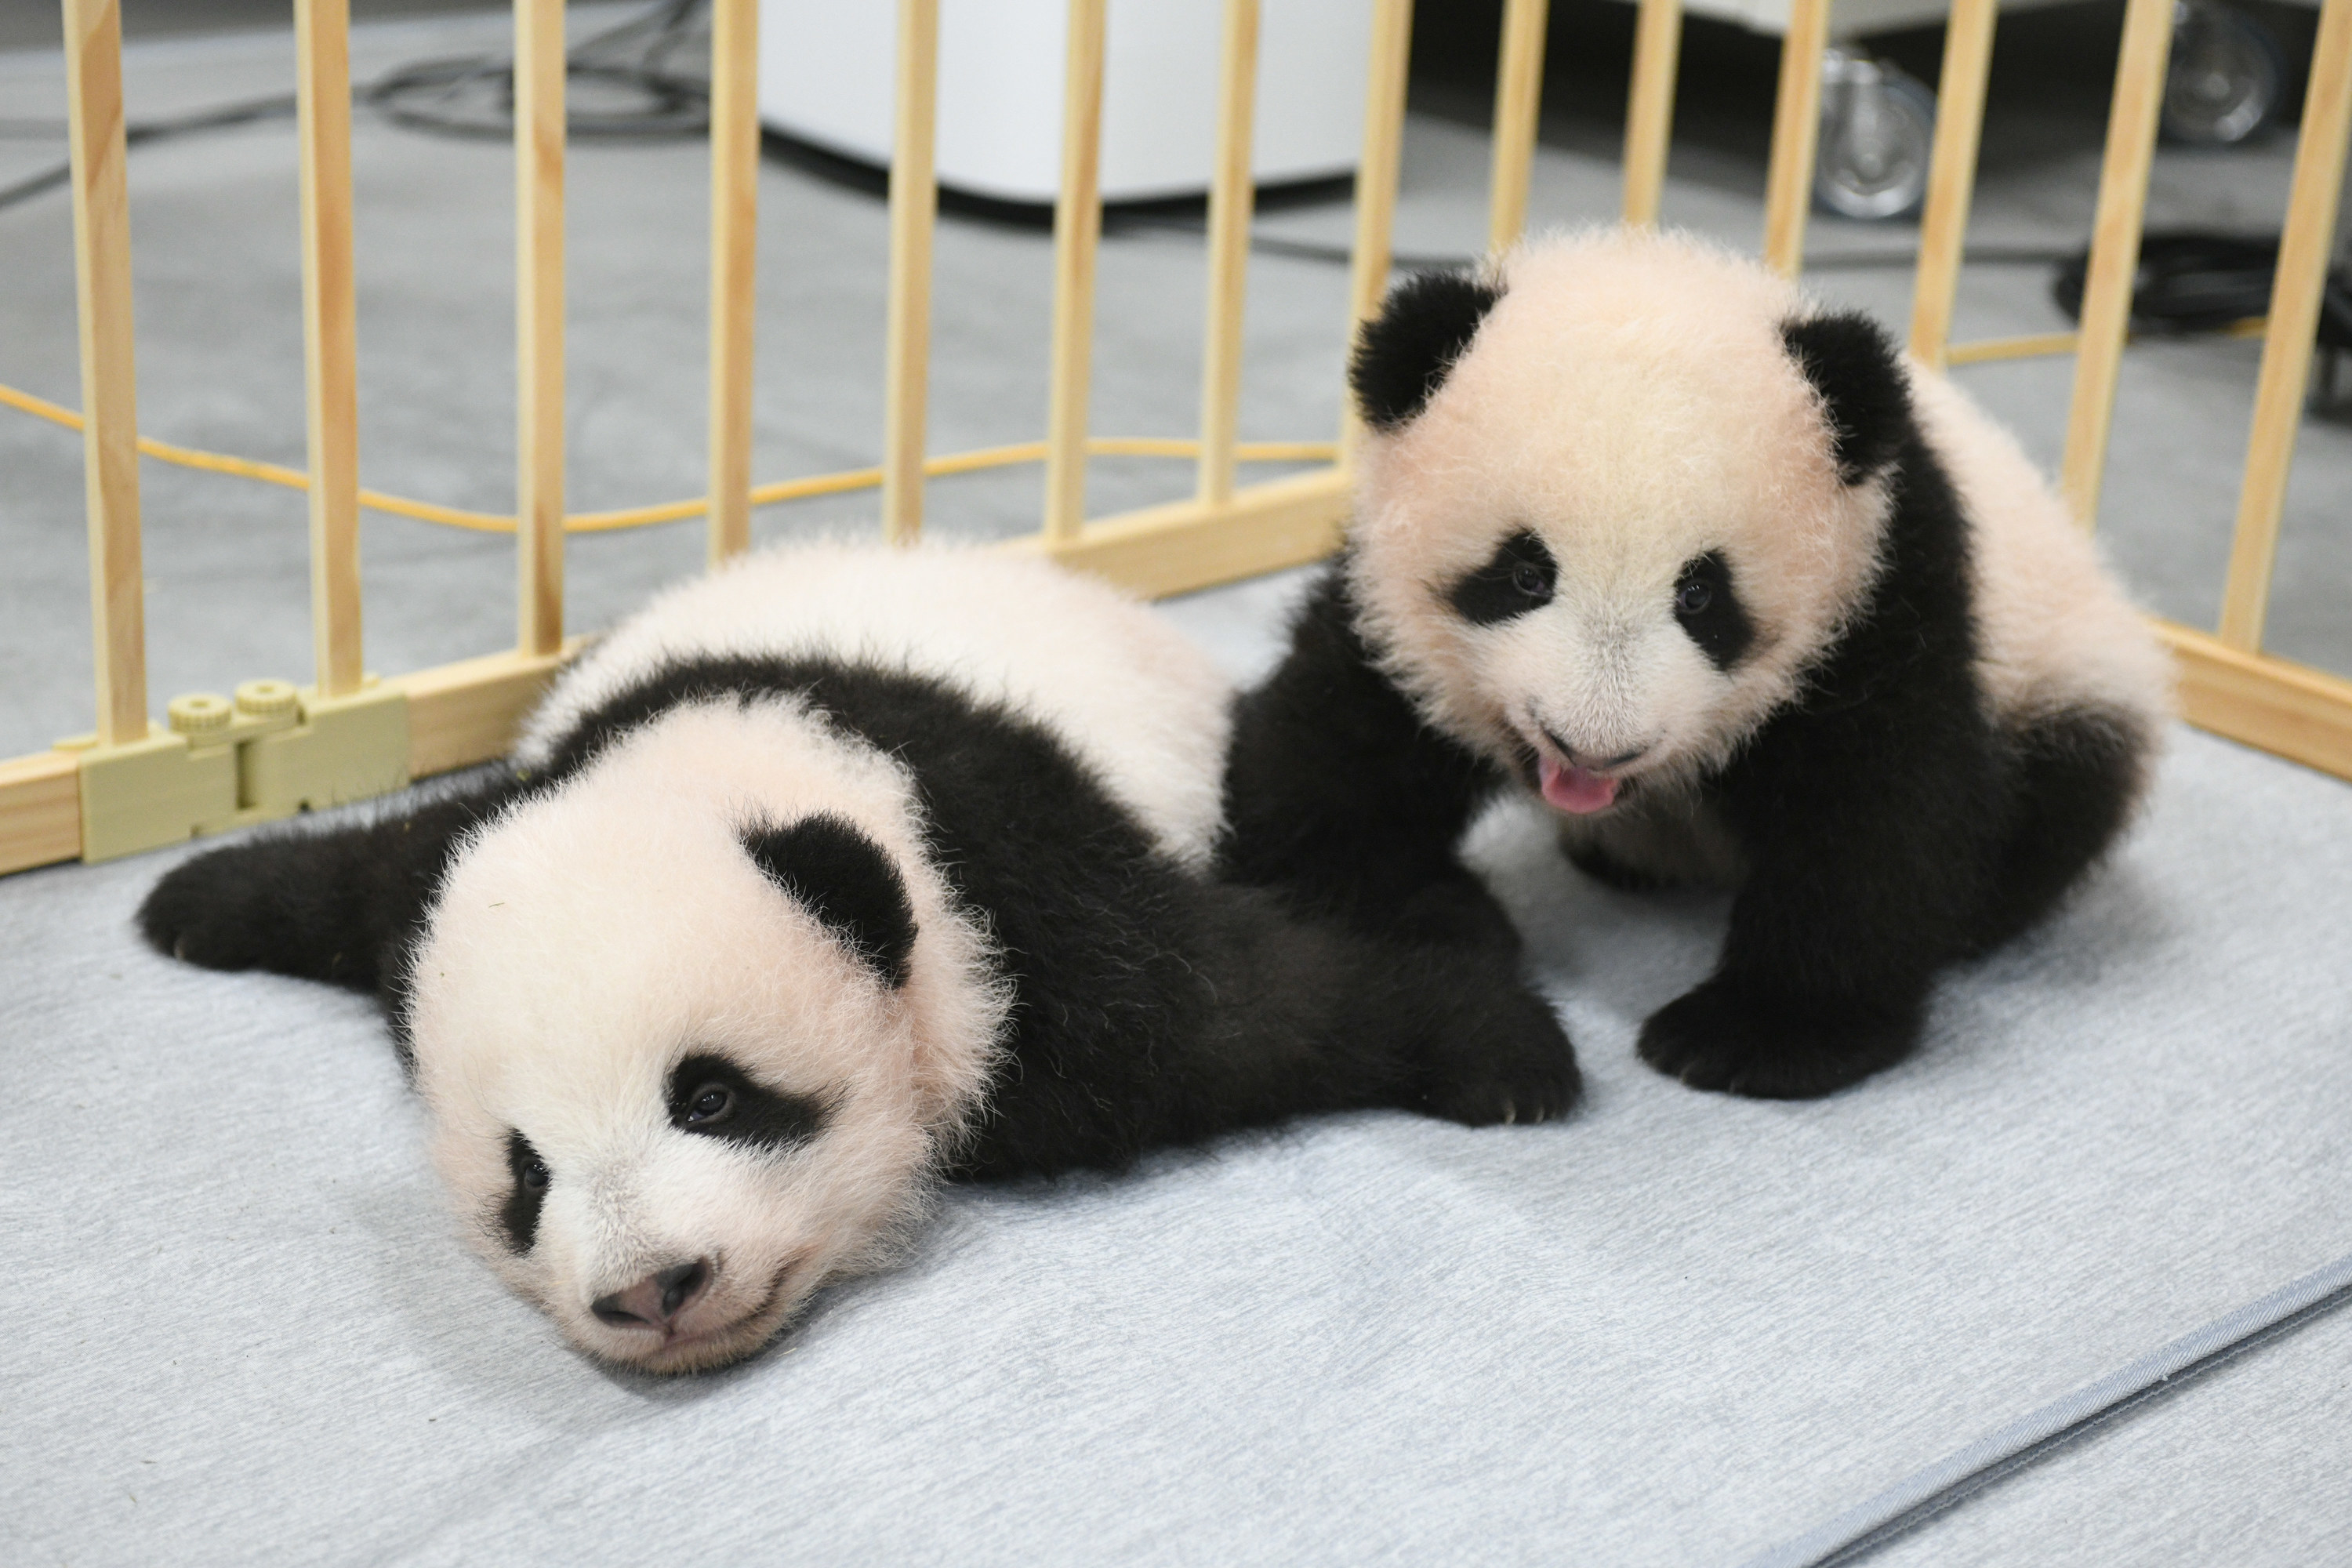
[1122, 688]
[588, 940]
[1629, 400]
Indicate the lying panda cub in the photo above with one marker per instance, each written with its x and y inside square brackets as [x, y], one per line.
[839, 870]
[1748, 599]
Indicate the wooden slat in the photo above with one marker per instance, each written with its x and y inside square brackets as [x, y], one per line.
[1231, 199]
[1518, 103]
[2294, 319]
[914, 211]
[538, 114]
[2299, 714]
[1187, 544]
[1375, 178]
[1951, 176]
[1796, 136]
[2132, 117]
[734, 267]
[40, 810]
[329, 339]
[1650, 107]
[1077, 233]
[469, 712]
[101, 216]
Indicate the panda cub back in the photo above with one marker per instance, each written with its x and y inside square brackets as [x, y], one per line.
[1064, 649]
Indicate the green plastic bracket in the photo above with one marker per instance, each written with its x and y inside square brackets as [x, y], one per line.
[272, 750]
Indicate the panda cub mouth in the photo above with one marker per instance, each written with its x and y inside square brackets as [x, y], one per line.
[1566, 786]
[1577, 790]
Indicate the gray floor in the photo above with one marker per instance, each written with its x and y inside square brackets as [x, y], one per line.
[1674, 1330]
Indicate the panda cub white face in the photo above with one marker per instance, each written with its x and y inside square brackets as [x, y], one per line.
[693, 1039]
[1605, 548]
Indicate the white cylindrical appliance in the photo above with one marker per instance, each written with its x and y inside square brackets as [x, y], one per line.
[827, 77]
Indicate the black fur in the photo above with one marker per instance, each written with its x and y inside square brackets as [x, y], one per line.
[847, 882]
[518, 1216]
[1518, 577]
[1854, 366]
[1403, 354]
[1706, 603]
[1889, 827]
[2072, 774]
[1152, 1006]
[343, 905]
[1337, 793]
[711, 1096]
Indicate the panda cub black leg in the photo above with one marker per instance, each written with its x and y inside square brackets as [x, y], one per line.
[1344, 1020]
[2077, 774]
[1737, 1039]
[339, 904]
[1337, 794]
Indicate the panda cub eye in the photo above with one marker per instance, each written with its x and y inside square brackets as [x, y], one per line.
[710, 1096]
[1710, 612]
[1521, 575]
[518, 1215]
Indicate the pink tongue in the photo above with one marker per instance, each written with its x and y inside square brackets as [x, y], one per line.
[1571, 789]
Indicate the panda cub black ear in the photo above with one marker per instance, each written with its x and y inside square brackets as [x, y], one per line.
[1403, 355]
[846, 879]
[1853, 364]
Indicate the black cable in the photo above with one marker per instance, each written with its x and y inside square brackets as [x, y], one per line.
[278, 106]
[470, 97]
[2196, 280]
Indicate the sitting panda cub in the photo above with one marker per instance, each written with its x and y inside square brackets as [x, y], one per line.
[837, 871]
[1748, 599]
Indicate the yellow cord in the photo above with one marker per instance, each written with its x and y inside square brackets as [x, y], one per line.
[677, 510]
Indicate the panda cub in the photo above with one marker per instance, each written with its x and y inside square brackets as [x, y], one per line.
[1748, 599]
[838, 871]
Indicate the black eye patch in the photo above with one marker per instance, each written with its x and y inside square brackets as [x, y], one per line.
[518, 1216]
[1518, 577]
[1711, 612]
[712, 1098]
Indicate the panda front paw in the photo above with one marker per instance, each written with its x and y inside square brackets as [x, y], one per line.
[1713, 1038]
[1505, 1060]
[209, 912]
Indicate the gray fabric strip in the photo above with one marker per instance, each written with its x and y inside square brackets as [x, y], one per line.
[1926, 1493]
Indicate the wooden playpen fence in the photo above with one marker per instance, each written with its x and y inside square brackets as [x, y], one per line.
[134, 784]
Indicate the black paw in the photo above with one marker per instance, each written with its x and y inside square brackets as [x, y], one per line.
[1501, 1058]
[1713, 1038]
[209, 912]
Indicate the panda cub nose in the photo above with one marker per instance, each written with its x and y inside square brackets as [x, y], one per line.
[655, 1301]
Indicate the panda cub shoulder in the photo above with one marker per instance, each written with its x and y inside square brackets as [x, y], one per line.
[1742, 594]
[835, 873]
